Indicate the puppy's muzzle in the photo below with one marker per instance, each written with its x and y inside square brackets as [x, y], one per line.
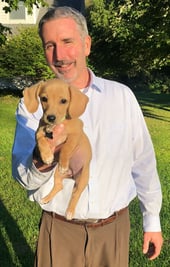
[51, 118]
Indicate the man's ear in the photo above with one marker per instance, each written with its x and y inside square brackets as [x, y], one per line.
[87, 45]
[78, 102]
[31, 96]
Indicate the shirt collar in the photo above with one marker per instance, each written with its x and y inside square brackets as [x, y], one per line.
[93, 83]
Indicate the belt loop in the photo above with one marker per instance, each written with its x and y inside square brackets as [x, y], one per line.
[116, 213]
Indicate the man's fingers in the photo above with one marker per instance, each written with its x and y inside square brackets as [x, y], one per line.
[152, 244]
[145, 246]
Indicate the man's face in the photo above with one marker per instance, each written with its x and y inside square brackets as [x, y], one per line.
[66, 50]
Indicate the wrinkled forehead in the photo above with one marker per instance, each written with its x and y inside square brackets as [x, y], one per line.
[61, 27]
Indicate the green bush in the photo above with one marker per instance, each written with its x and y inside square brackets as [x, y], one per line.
[130, 38]
[22, 55]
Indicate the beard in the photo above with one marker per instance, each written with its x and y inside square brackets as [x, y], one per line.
[62, 71]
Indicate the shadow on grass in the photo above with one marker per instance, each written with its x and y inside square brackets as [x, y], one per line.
[149, 100]
[12, 239]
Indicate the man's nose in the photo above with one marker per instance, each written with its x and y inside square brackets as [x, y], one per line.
[59, 52]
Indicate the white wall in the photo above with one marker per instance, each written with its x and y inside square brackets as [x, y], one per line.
[29, 19]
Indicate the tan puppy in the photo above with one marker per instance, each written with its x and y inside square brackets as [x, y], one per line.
[62, 103]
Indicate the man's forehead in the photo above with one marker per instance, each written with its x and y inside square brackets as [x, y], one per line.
[63, 21]
[63, 26]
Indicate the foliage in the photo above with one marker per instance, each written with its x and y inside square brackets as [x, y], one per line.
[130, 38]
[4, 31]
[23, 55]
[13, 4]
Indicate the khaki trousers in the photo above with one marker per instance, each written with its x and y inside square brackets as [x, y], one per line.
[62, 244]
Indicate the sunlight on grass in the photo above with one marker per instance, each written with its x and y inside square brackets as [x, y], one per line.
[156, 109]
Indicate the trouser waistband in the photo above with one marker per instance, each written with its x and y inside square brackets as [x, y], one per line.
[90, 222]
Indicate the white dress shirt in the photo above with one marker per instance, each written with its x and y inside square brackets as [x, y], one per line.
[123, 162]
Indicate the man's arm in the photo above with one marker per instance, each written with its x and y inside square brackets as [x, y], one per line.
[147, 183]
[27, 167]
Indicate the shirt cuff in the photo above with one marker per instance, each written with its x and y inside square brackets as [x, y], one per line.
[151, 223]
[37, 177]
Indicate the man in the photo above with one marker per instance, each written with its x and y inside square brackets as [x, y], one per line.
[122, 166]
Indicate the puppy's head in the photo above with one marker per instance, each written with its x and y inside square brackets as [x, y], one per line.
[59, 100]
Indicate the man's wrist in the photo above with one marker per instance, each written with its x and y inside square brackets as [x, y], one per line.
[151, 223]
[43, 167]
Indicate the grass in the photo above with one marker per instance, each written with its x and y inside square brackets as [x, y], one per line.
[156, 108]
[19, 217]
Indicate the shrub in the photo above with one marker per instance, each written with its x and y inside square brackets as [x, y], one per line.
[22, 55]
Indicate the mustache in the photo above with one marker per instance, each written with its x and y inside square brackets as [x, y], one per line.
[60, 63]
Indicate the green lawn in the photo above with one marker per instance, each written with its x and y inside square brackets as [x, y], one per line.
[19, 217]
[156, 108]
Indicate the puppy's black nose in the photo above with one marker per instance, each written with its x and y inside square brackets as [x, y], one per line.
[51, 118]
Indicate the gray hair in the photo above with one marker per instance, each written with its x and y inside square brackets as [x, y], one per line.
[64, 12]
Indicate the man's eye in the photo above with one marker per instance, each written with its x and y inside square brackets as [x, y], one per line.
[63, 101]
[43, 99]
[68, 41]
[48, 46]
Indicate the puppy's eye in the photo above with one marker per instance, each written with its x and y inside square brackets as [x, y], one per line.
[43, 99]
[63, 101]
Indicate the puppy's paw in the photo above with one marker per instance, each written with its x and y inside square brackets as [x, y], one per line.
[48, 158]
[63, 170]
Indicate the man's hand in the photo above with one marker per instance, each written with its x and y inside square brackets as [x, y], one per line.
[58, 137]
[152, 244]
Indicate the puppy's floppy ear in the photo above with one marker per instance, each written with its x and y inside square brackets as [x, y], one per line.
[31, 97]
[78, 102]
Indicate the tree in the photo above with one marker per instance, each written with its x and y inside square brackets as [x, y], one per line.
[130, 38]
[13, 4]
